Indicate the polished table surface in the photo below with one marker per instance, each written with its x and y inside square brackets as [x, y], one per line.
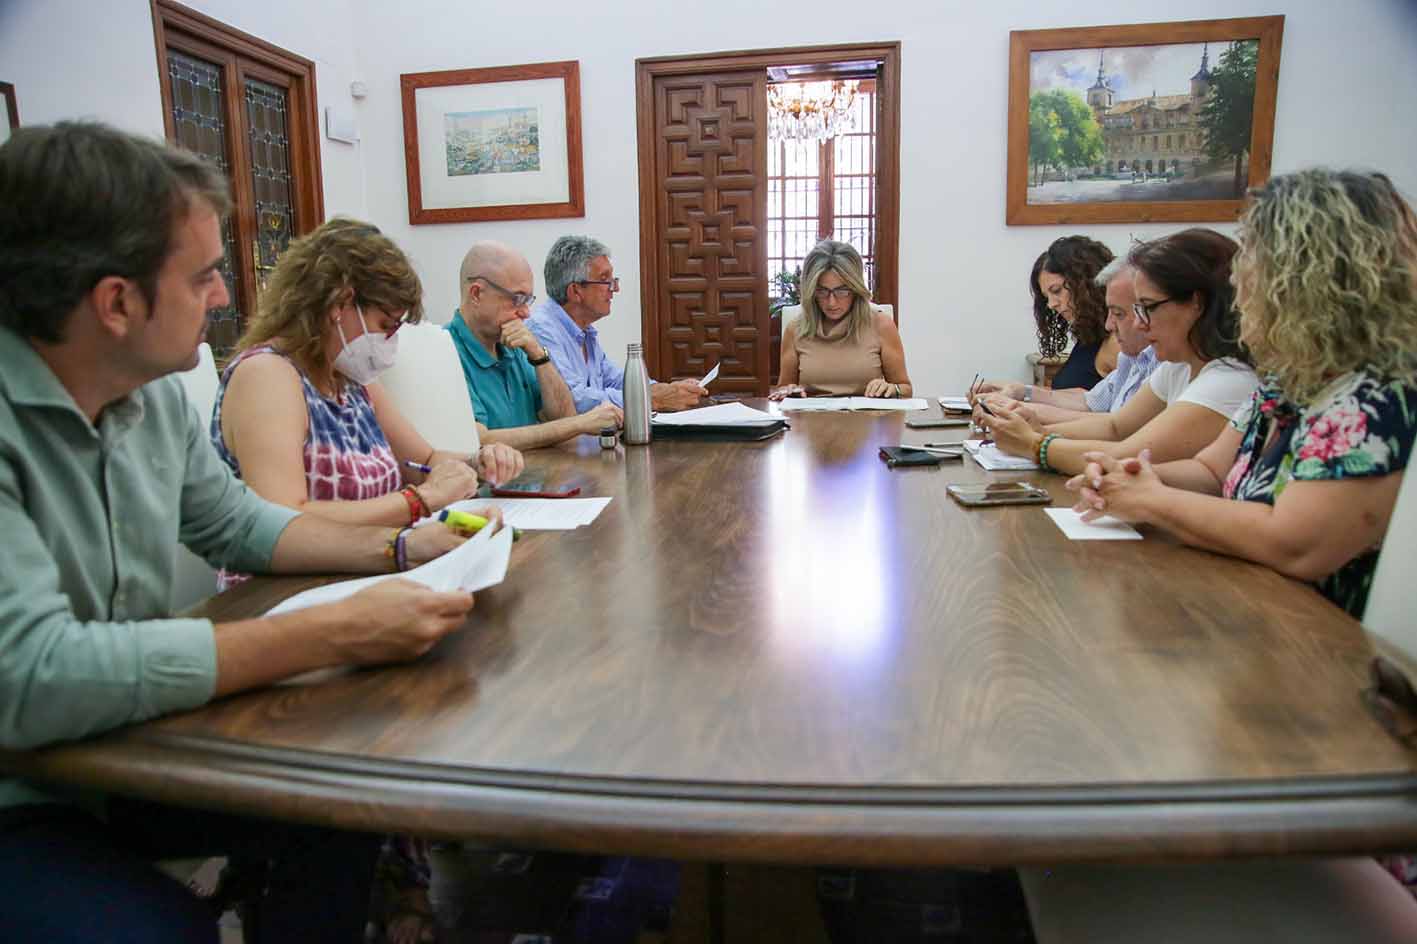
[786, 651]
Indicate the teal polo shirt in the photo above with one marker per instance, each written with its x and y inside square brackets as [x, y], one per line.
[504, 389]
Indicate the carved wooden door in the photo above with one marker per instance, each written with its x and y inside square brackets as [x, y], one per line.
[705, 290]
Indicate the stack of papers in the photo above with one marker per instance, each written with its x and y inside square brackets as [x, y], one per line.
[956, 404]
[993, 459]
[478, 563]
[535, 514]
[721, 414]
[851, 403]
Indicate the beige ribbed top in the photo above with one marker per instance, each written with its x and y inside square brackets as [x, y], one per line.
[836, 364]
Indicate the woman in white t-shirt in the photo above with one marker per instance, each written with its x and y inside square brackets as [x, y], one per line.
[1185, 303]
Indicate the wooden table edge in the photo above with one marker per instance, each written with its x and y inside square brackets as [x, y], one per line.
[866, 826]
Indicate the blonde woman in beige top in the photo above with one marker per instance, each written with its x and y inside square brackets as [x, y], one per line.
[840, 346]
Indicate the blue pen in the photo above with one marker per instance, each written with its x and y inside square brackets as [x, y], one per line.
[418, 466]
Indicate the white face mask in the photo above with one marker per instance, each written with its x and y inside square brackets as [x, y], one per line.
[367, 356]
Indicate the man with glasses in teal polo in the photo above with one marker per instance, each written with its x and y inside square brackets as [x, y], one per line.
[518, 396]
[581, 282]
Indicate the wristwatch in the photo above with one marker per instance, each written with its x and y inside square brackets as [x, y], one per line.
[538, 361]
[1028, 394]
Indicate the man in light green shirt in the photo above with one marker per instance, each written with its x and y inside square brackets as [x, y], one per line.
[109, 255]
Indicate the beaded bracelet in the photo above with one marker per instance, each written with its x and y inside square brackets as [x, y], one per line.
[1043, 452]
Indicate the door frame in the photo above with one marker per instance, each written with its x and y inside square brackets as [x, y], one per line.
[752, 60]
[202, 36]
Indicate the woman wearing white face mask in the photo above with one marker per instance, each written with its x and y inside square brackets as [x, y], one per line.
[298, 414]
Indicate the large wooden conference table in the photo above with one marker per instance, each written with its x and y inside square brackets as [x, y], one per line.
[787, 652]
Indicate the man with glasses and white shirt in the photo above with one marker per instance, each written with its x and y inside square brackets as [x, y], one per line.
[582, 284]
[517, 394]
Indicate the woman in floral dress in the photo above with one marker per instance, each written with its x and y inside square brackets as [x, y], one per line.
[1304, 477]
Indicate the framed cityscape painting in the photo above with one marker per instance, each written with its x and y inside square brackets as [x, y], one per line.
[500, 143]
[1153, 122]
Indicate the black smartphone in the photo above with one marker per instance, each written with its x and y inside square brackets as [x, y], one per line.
[975, 495]
[937, 423]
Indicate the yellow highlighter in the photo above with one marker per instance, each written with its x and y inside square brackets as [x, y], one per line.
[462, 521]
[467, 523]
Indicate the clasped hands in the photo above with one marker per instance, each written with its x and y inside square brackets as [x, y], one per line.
[1122, 488]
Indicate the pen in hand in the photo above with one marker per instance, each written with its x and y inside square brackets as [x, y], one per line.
[417, 466]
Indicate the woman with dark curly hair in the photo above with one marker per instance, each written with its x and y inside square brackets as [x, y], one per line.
[1068, 301]
[1304, 477]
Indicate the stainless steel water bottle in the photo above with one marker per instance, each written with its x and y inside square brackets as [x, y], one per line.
[637, 403]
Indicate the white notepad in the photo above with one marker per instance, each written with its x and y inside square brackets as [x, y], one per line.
[1105, 528]
[853, 403]
[535, 514]
[720, 414]
[993, 459]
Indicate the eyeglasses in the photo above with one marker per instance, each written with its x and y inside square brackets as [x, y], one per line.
[1143, 310]
[841, 293]
[613, 283]
[399, 321]
[519, 299]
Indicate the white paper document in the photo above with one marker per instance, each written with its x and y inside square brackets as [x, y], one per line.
[956, 404]
[1105, 528]
[711, 376]
[720, 414]
[852, 403]
[480, 562]
[993, 459]
[536, 514]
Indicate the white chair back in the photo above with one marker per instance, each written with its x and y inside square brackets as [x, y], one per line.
[427, 385]
[1389, 613]
[202, 381]
[194, 580]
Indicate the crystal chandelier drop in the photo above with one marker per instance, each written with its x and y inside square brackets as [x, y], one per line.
[810, 111]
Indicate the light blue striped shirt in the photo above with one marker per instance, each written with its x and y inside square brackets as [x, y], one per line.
[1114, 390]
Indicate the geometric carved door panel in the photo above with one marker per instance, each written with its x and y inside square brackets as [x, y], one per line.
[710, 297]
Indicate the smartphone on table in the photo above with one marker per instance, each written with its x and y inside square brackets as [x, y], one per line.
[981, 494]
[534, 488]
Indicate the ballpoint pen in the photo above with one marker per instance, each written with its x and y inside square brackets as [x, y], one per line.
[417, 466]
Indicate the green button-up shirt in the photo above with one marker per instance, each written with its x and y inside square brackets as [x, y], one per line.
[504, 389]
[90, 518]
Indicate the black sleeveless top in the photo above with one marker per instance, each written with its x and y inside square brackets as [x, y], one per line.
[1080, 369]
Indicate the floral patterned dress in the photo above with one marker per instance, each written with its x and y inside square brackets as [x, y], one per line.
[1359, 426]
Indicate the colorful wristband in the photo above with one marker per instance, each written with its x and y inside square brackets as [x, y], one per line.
[1043, 452]
[401, 550]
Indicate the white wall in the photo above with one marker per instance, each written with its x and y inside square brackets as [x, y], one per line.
[97, 59]
[964, 304]
[1348, 86]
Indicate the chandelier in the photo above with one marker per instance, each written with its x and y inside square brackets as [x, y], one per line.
[810, 111]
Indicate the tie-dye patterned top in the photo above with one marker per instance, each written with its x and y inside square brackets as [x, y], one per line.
[347, 457]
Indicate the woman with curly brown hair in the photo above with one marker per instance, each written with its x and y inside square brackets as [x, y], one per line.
[1068, 301]
[1304, 477]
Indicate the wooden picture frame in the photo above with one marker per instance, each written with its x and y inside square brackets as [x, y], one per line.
[1132, 181]
[12, 111]
[510, 151]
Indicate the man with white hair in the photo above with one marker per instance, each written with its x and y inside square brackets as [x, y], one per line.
[517, 394]
[582, 284]
[1134, 364]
